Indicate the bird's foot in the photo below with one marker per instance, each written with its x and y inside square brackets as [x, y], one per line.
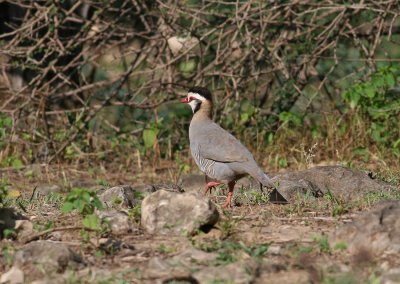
[210, 186]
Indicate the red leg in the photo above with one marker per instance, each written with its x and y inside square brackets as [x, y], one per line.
[210, 185]
[228, 202]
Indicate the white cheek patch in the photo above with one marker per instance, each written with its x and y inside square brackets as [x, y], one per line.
[193, 104]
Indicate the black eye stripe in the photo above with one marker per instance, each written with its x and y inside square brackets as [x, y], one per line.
[193, 99]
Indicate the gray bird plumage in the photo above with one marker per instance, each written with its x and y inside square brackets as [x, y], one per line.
[217, 152]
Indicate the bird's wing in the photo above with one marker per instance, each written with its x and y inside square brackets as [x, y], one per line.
[215, 143]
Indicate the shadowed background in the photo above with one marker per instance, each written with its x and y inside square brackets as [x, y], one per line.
[298, 83]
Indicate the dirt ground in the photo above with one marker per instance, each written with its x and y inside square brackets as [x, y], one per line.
[287, 243]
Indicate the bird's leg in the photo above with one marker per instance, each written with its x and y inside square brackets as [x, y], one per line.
[228, 202]
[211, 185]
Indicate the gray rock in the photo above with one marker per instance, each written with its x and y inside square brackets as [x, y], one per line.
[50, 256]
[192, 258]
[239, 272]
[178, 267]
[13, 276]
[160, 271]
[376, 231]
[342, 182]
[171, 213]
[119, 221]
[111, 246]
[123, 196]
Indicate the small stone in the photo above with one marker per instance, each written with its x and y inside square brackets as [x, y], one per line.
[161, 270]
[13, 276]
[119, 197]
[385, 266]
[274, 250]
[24, 228]
[192, 257]
[118, 220]
[180, 44]
[238, 273]
[45, 189]
[171, 213]
[373, 232]
[55, 236]
[179, 266]
[50, 256]
[110, 246]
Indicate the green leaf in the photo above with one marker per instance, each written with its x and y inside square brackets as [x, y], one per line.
[80, 205]
[6, 121]
[149, 137]
[378, 82]
[376, 135]
[244, 117]
[360, 150]
[92, 222]
[396, 144]
[97, 203]
[67, 207]
[389, 78]
[354, 98]
[282, 163]
[86, 196]
[188, 66]
[17, 164]
[369, 91]
[287, 117]
[363, 152]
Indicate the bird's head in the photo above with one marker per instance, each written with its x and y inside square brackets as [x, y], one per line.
[196, 97]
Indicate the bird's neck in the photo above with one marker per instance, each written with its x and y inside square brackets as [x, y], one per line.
[205, 112]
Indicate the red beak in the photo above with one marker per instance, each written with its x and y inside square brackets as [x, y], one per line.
[185, 100]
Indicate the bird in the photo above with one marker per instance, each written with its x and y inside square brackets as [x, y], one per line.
[217, 153]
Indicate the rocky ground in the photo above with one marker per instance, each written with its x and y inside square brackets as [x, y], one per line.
[323, 225]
